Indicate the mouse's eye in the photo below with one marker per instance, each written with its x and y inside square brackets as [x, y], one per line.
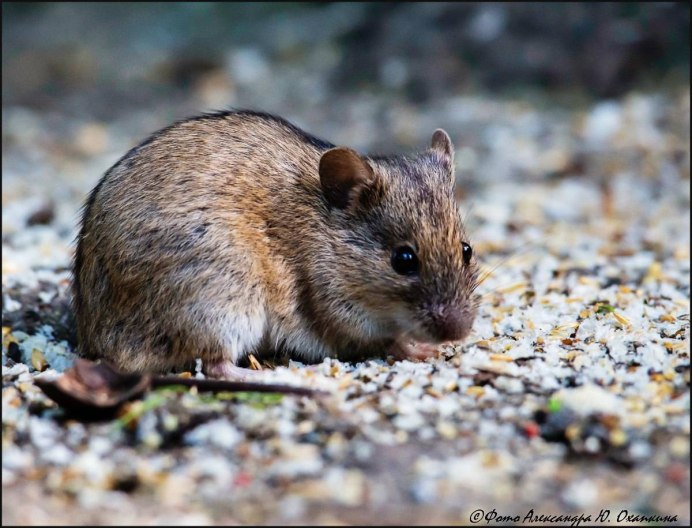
[467, 252]
[405, 261]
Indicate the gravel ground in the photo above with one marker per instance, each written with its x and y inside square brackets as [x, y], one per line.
[571, 395]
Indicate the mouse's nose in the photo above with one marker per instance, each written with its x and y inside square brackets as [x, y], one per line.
[452, 324]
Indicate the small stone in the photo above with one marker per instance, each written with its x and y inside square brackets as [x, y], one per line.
[8, 478]
[43, 433]
[301, 460]
[348, 486]
[617, 437]
[14, 458]
[409, 422]
[10, 305]
[447, 430]
[589, 399]
[679, 447]
[580, 494]
[58, 455]
[640, 450]
[217, 432]
[592, 444]
[42, 216]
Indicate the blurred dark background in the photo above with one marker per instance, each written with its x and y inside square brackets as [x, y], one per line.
[77, 54]
[526, 90]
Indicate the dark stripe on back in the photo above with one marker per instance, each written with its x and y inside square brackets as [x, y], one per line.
[307, 138]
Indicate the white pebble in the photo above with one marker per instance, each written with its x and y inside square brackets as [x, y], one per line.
[43, 433]
[589, 399]
[58, 455]
[218, 432]
[580, 494]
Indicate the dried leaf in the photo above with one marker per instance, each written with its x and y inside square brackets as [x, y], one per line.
[38, 360]
[90, 386]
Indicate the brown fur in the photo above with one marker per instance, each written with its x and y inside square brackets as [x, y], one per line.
[214, 239]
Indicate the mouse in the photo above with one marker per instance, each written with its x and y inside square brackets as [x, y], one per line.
[235, 233]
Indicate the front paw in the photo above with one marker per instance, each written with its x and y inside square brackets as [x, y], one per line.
[229, 371]
[413, 351]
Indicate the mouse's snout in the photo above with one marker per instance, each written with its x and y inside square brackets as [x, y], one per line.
[450, 323]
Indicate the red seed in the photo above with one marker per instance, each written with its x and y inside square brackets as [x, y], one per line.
[531, 429]
[242, 479]
[676, 473]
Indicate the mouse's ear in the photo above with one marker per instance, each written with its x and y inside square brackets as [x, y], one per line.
[442, 143]
[345, 177]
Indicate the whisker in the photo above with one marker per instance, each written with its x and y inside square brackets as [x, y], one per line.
[517, 252]
[488, 273]
[487, 294]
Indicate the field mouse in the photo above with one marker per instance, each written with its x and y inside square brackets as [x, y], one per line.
[236, 232]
